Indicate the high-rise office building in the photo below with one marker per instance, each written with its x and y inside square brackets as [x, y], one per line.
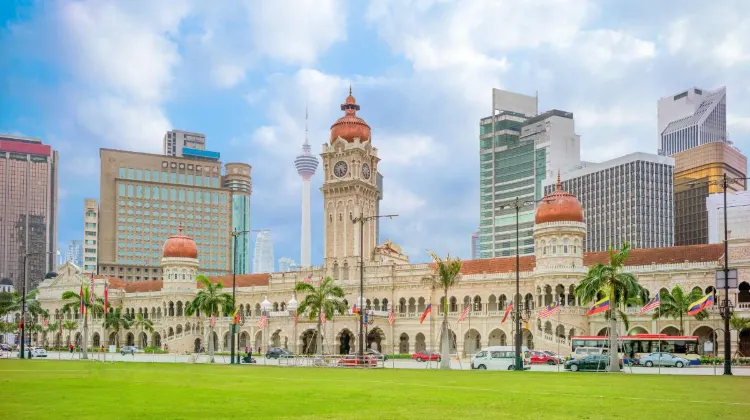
[263, 255]
[738, 216]
[624, 199]
[287, 264]
[145, 198]
[518, 150]
[90, 234]
[176, 140]
[306, 164]
[698, 173]
[690, 119]
[28, 209]
[74, 252]
[237, 178]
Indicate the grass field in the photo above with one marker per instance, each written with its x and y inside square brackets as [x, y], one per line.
[82, 390]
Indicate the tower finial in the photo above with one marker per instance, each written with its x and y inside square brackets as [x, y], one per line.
[306, 131]
[350, 89]
[559, 183]
[179, 228]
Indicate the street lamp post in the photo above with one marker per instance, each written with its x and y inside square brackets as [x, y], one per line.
[362, 219]
[235, 235]
[23, 301]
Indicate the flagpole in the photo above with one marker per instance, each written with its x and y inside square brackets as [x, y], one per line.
[658, 315]
[558, 341]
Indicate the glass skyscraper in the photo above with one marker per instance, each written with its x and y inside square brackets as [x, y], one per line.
[237, 179]
[263, 256]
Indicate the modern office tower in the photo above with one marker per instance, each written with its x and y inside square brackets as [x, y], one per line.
[74, 252]
[624, 199]
[145, 198]
[690, 119]
[176, 140]
[287, 264]
[90, 234]
[698, 173]
[237, 178]
[474, 245]
[28, 209]
[738, 216]
[263, 255]
[306, 165]
[518, 149]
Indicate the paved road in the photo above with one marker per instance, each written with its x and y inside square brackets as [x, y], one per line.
[398, 364]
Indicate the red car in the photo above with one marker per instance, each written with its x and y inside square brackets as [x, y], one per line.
[353, 360]
[541, 357]
[423, 357]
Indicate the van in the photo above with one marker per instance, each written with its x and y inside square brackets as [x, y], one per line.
[500, 358]
[582, 352]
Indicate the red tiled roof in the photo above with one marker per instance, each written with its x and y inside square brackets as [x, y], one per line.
[144, 286]
[498, 265]
[243, 280]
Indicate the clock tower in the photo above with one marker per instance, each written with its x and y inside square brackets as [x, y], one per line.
[350, 166]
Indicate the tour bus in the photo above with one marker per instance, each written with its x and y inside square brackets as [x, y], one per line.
[500, 358]
[642, 344]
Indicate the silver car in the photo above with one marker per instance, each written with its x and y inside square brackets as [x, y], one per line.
[663, 359]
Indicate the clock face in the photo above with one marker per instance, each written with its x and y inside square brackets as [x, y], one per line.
[340, 169]
[366, 171]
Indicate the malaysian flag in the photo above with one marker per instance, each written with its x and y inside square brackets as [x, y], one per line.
[106, 297]
[212, 321]
[464, 313]
[508, 309]
[91, 288]
[322, 316]
[391, 317]
[296, 317]
[263, 321]
[651, 305]
[82, 297]
[549, 310]
[307, 279]
[45, 323]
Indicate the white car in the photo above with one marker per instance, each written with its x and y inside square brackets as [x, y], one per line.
[39, 352]
[500, 358]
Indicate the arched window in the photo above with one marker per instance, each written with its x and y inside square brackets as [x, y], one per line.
[345, 271]
[554, 246]
[565, 246]
[336, 271]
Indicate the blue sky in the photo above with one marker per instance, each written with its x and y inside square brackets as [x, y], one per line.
[88, 74]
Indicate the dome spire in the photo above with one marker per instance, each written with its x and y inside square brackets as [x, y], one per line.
[559, 184]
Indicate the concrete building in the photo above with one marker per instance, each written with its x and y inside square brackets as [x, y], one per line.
[91, 235]
[28, 209]
[146, 197]
[690, 119]
[518, 150]
[698, 173]
[176, 140]
[624, 199]
[306, 165]
[738, 216]
[263, 260]
[474, 245]
[6, 337]
[287, 264]
[74, 252]
[238, 180]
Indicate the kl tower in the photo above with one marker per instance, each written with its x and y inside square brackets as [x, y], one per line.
[306, 165]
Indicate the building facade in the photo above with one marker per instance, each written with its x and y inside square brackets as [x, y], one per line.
[474, 245]
[144, 197]
[263, 259]
[238, 180]
[624, 199]
[518, 150]
[690, 119]
[699, 172]
[91, 235]
[6, 286]
[176, 140]
[738, 216]
[28, 209]
[74, 252]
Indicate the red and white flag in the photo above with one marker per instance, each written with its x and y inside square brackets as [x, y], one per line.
[296, 317]
[508, 309]
[464, 313]
[212, 321]
[45, 323]
[263, 321]
[307, 279]
[322, 316]
[651, 305]
[82, 297]
[106, 297]
[391, 317]
[549, 310]
[91, 288]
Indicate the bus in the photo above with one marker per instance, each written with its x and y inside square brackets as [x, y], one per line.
[640, 345]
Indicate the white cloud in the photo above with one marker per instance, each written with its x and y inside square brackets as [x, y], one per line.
[401, 201]
[227, 75]
[408, 149]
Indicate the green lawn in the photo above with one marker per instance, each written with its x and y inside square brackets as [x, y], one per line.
[40, 389]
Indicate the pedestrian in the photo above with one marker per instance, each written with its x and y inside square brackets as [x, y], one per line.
[70, 348]
[251, 349]
[247, 350]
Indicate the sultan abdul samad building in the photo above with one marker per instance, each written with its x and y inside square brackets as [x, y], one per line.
[350, 164]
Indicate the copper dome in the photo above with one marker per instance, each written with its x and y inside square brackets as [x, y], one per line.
[180, 246]
[559, 206]
[350, 126]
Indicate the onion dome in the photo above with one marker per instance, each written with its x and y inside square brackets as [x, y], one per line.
[559, 206]
[180, 246]
[350, 126]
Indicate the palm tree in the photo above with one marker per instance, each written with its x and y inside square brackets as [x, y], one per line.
[449, 273]
[210, 300]
[13, 301]
[740, 324]
[609, 280]
[141, 323]
[70, 326]
[675, 304]
[34, 328]
[327, 299]
[116, 320]
[52, 328]
[96, 307]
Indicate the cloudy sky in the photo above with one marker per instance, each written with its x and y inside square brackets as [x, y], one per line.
[88, 74]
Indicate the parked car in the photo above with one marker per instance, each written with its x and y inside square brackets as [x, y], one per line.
[595, 362]
[424, 356]
[6, 347]
[39, 352]
[354, 360]
[131, 350]
[582, 352]
[663, 359]
[376, 354]
[278, 353]
[500, 358]
[544, 358]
